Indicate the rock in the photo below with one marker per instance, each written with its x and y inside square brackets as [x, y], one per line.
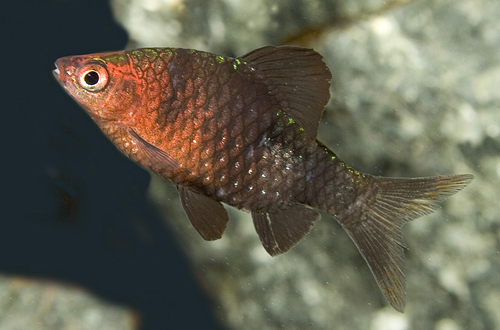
[35, 305]
[414, 93]
[231, 26]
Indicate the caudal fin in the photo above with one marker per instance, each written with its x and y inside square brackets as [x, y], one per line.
[376, 230]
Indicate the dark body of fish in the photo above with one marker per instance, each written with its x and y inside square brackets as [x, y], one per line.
[243, 131]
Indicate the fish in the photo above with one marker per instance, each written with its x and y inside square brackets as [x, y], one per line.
[243, 131]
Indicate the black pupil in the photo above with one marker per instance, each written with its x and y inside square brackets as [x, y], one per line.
[91, 78]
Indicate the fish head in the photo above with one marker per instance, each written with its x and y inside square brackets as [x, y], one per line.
[103, 84]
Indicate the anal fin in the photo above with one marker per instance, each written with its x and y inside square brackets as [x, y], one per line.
[207, 215]
[280, 231]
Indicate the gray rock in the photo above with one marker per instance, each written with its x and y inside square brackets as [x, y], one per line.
[39, 305]
[231, 26]
[414, 93]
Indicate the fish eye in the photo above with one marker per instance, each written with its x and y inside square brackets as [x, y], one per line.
[93, 77]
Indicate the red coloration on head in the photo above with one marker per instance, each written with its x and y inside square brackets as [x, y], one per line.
[103, 84]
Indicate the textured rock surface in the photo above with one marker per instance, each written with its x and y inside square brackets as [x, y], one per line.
[233, 26]
[414, 93]
[34, 305]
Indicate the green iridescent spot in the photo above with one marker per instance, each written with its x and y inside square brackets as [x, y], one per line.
[220, 59]
[168, 52]
[236, 63]
[138, 53]
[115, 59]
[353, 171]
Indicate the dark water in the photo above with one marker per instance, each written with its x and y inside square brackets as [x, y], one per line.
[76, 212]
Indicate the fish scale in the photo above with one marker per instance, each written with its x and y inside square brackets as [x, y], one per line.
[243, 131]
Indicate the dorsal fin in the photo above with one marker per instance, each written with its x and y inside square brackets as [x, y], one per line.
[302, 78]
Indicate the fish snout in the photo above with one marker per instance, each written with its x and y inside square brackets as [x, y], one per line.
[58, 72]
[64, 70]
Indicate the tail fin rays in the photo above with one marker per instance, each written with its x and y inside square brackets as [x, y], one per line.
[377, 232]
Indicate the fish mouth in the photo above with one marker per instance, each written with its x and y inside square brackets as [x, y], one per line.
[58, 72]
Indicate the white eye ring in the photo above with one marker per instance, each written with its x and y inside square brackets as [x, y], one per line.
[93, 77]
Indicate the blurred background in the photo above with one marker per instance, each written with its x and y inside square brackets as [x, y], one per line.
[92, 241]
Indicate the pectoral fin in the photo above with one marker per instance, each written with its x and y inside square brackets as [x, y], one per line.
[207, 215]
[154, 158]
[280, 231]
